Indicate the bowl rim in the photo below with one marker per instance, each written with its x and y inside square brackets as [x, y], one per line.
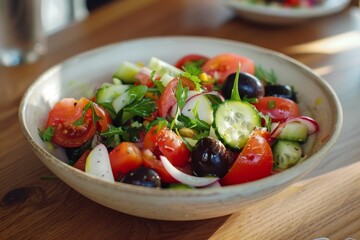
[251, 188]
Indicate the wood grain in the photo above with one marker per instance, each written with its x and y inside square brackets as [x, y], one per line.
[33, 205]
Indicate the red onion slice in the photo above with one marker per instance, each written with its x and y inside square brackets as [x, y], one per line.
[217, 94]
[186, 178]
[310, 123]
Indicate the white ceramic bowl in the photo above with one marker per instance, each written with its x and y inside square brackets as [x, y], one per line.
[275, 15]
[79, 75]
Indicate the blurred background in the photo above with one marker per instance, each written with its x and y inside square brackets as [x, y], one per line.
[57, 14]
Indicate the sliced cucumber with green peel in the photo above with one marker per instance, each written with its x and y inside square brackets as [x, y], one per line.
[286, 153]
[127, 71]
[108, 92]
[234, 121]
[294, 131]
[161, 67]
[128, 97]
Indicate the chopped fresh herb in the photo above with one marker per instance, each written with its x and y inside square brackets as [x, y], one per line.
[162, 122]
[194, 64]
[192, 72]
[113, 136]
[235, 90]
[271, 104]
[143, 108]
[250, 100]
[159, 85]
[268, 77]
[95, 117]
[47, 134]
[181, 94]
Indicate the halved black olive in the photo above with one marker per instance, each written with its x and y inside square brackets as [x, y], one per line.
[249, 86]
[143, 176]
[280, 90]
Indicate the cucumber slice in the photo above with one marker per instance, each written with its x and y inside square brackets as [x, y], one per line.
[234, 121]
[286, 153]
[128, 97]
[294, 131]
[162, 67]
[127, 71]
[108, 92]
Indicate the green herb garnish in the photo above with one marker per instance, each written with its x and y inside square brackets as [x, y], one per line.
[268, 77]
[192, 72]
[47, 134]
[143, 108]
[235, 90]
[95, 117]
[271, 104]
[181, 94]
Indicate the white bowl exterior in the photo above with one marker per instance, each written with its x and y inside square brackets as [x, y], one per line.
[80, 75]
[276, 15]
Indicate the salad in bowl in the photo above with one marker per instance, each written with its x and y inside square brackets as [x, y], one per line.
[202, 121]
[180, 128]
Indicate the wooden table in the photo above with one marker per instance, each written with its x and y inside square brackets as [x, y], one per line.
[325, 203]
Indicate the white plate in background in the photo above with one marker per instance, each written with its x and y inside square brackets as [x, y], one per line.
[276, 15]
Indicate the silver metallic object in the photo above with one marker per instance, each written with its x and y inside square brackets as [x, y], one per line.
[22, 37]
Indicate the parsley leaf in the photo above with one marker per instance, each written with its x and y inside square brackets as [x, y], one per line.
[113, 136]
[143, 108]
[159, 121]
[192, 72]
[268, 77]
[95, 117]
[47, 134]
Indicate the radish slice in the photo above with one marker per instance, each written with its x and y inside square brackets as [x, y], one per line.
[186, 178]
[310, 123]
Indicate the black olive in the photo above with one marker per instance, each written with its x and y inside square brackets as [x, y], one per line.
[249, 86]
[280, 90]
[210, 158]
[143, 176]
[74, 153]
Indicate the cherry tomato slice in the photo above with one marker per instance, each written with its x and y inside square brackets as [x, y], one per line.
[68, 111]
[279, 109]
[124, 158]
[222, 65]
[63, 117]
[197, 59]
[254, 162]
[167, 99]
[165, 142]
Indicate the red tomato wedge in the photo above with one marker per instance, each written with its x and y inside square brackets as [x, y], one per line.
[165, 142]
[124, 158]
[63, 117]
[167, 99]
[191, 58]
[279, 109]
[222, 65]
[254, 162]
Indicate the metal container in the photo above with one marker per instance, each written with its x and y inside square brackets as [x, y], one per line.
[22, 38]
